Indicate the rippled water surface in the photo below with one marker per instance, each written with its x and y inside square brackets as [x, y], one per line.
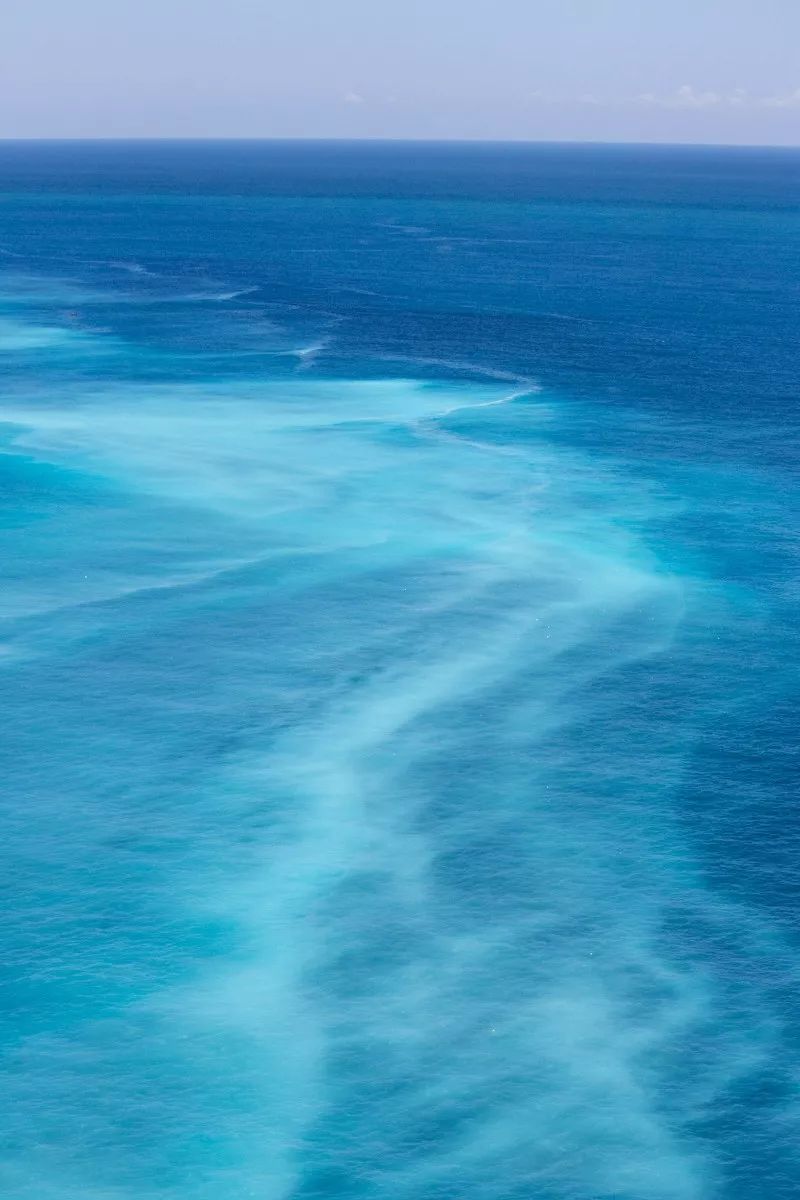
[399, 666]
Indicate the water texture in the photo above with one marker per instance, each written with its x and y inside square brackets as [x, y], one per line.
[399, 672]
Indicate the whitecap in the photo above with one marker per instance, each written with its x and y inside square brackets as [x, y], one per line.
[133, 268]
[231, 295]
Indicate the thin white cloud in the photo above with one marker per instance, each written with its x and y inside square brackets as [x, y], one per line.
[791, 100]
[689, 97]
[352, 98]
[685, 97]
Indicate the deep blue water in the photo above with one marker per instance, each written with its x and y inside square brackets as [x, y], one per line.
[399, 672]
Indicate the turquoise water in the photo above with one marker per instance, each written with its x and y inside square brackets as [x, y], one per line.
[399, 666]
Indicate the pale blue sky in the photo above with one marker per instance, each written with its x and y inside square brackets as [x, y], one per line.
[642, 70]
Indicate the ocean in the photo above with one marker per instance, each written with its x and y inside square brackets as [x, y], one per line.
[399, 666]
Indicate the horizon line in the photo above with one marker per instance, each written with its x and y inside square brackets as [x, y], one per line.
[140, 139]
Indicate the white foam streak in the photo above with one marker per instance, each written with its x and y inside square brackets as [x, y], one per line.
[132, 268]
[234, 294]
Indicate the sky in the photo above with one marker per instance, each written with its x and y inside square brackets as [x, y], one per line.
[720, 71]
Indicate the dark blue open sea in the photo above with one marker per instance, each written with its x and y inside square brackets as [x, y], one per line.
[399, 656]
